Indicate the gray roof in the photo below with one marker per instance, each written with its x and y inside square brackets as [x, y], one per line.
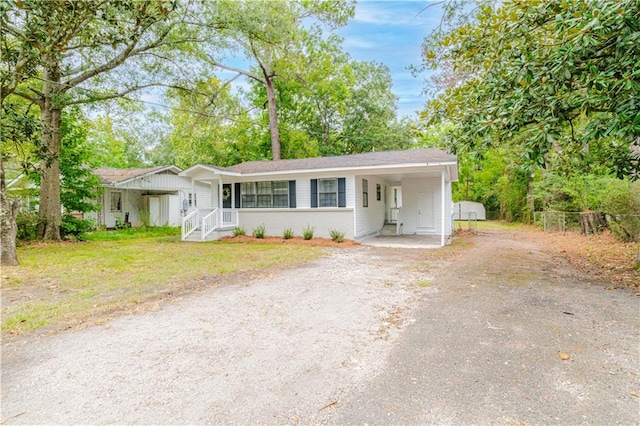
[369, 159]
[110, 175]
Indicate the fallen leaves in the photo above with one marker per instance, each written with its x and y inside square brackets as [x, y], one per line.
[563, 356]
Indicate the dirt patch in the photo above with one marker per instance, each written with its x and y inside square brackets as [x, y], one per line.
[602, 256]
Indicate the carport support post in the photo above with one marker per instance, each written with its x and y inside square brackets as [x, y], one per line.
[443, 209]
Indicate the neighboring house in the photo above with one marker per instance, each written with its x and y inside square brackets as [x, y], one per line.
[356, 194]
[153, 196]
[469, 210]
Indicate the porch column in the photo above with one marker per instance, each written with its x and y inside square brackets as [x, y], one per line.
[443, 212]
[220, 203]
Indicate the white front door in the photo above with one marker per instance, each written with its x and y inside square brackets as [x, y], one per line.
[154, 211]
[425, 210]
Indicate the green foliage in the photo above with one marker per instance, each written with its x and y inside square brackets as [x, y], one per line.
[27, 222]
[621, 202]
[259, 231]
[288, 234]
[336, 235]
[307, 232]
[133, 233]
[77, 228]
[79, 186]
[239, 231]
[556, 77]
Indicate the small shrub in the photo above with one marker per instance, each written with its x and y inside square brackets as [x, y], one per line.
[336, 235]
[288, 234]
[307, 233]
[72, 226]
[27, 223]
[238, 231]
[259, 231]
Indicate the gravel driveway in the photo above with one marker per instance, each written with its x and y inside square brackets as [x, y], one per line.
[352, 338]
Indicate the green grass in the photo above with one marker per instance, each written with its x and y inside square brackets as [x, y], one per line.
[61, 283]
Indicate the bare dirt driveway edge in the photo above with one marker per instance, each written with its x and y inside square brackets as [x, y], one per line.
[352, 338]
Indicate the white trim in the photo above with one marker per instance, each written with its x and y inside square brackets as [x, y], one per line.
[443, 211]
[148, 173]
[347, 168]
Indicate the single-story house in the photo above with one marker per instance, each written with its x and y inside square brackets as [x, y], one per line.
[469, 210]
[153, 196]
[356, 194]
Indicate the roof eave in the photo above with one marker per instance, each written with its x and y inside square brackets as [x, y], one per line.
[350, 168]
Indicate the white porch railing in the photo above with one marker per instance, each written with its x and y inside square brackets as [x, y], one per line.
[229, 218]
[209, 223]
[190, 223]
[216, 219]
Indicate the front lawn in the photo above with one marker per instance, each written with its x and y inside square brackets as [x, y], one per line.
[68, 284]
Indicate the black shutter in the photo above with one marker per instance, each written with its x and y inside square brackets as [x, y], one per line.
[342, 192]
[314, 192]
[292, 194]
[237, 195]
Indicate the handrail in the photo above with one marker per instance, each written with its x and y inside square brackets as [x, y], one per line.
[229, 217]
[209, 223]
[190, 223]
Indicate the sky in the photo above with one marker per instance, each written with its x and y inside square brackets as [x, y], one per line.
[391, 32]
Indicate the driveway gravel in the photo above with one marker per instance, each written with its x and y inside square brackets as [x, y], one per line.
[363, 335]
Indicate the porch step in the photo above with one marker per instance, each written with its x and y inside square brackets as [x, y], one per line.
[388, 229]
[194, 236]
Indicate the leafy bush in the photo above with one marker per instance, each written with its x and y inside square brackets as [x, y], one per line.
[27, 223]
[72, 226]
[621, 203]
[307, 233]
[133, 233]
[238, 231]
[259, 231]
[288, 234]
[336, 235]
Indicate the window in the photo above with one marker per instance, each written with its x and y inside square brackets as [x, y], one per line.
[249, 195]
[365, 193]
[193, 202]
[116, 201]
[378, 192]
[267, 194]
[328, 192]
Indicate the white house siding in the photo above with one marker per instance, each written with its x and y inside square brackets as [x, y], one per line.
[276, 221]
[409, 213]
[158, 182]
[369, 220]
[205, 192]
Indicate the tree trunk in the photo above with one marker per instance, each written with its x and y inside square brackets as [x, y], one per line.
[8, 227]
[50, 215]
[273, 118]
[592, 223]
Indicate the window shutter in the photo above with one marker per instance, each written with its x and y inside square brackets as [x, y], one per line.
[342, 189]
[314, 192]
[237, 195]
[292, 194]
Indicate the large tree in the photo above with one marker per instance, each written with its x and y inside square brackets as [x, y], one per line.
[549, 77]
[273, 37]
[53, 49]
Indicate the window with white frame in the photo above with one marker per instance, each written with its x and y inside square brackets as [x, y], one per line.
[266, 194]
[328, 192]
[116, 201]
